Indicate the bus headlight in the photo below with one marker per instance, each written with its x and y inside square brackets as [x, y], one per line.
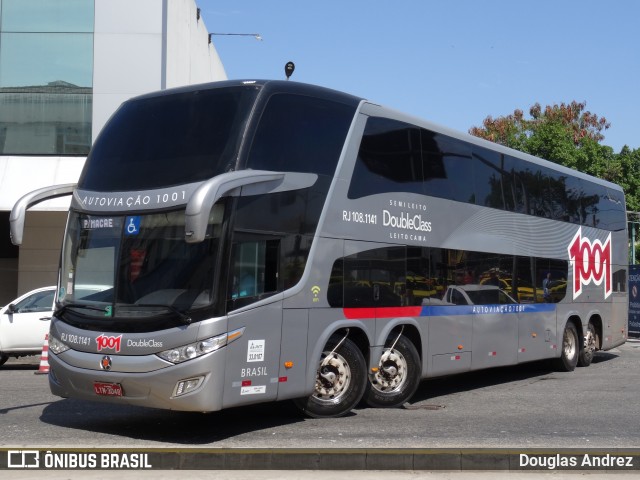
[199, 348]
[57, 346]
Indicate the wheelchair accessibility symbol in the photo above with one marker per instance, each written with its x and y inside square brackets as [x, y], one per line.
[132, 226]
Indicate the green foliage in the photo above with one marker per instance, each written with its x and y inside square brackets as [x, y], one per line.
[628, 176]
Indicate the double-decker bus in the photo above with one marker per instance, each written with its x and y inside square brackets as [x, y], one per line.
[251, 241]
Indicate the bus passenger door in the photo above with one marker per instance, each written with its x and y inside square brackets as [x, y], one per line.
[251, 371]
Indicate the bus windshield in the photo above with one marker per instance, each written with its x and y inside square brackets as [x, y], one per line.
[165, 140]
[138, 265]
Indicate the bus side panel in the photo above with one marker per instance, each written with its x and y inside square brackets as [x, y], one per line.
[450, 344]
[495, 340]
[619, 320]
[292, 378]
[619, 315]
[537, 335]
[615, 322]
[251, 371]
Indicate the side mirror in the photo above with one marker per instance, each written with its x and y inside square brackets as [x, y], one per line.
[11, 309]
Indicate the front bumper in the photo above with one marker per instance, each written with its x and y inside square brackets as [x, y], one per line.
[146, 380]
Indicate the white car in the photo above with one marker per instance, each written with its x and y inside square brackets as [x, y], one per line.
[25, 322]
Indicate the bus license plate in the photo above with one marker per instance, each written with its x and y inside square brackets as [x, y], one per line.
[107, 389]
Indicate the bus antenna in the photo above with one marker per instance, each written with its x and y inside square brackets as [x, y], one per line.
[289, 68]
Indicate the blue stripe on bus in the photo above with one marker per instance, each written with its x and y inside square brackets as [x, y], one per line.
[446, 310]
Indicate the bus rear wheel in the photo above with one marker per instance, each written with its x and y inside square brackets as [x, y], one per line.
[570, 349]
[397, 377]
[340, 380]
[589, 348]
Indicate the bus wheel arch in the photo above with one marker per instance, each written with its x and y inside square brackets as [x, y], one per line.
[570, 345]
[591, 341]
[398, 371]
[340, 377]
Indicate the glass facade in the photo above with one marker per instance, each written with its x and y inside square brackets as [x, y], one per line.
[46, 76]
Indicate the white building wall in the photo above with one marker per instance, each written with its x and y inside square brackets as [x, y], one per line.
[139, 46]
[127, 53]
[187, 33]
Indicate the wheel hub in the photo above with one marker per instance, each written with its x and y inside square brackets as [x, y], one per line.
[569, 345]
[333, 378]
[590, 342]
[392, 372]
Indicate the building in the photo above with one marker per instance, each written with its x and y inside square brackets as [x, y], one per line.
[65, 67]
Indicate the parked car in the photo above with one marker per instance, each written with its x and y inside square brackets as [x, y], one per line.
[25, 322]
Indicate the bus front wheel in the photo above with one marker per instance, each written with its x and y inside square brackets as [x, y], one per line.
[340, 380]
[397, 376]
[569, 349]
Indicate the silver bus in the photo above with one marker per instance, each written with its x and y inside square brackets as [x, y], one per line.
[251, 241]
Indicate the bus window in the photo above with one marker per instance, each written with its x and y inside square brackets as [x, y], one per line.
[487, 177]
[254, 270]
[389, 159]
[199, 130]
[300, 134]
[448, 167]
[375, 278]
[551, 280]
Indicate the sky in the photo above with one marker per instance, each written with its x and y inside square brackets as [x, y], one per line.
[452, 62]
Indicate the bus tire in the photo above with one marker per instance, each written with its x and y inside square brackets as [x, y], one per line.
[3, 358]
[398, 375]
[340, 381]
[570, 349]
[589, 346]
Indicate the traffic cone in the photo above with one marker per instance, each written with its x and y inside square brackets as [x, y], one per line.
[44, 358]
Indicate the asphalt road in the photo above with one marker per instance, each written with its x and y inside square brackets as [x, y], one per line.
[528, 406]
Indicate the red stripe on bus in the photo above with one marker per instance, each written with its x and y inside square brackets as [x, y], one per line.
[390, 312]
[356, 313]
[382, 312]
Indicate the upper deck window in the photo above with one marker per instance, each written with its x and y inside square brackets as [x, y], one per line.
[167, 140]
[298, 133]
[399, 157]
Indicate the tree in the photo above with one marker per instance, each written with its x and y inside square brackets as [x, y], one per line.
[628, 162]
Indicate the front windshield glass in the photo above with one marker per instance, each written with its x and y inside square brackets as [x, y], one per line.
[137, 265]
[167, 140]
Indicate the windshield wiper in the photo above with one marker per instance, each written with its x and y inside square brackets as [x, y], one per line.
[186, 319]
[105, 310]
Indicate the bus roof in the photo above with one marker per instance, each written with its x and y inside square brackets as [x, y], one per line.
[368, 107]
[269, 86]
